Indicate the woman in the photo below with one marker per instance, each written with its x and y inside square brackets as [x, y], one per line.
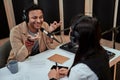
[91, 60]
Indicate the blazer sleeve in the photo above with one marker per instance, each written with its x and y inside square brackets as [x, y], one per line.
[19, 50]
[50, 43]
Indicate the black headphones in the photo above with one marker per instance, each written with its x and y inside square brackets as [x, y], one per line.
[74, 35]
[26, 11]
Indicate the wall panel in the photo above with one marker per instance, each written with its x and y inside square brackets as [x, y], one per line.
[104, 11]
[4, 28]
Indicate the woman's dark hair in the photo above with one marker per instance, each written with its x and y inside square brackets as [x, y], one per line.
[88, 39]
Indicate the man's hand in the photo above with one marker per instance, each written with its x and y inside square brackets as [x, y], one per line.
[33, 38]
[30, 41]
[54, 25]
[29, 44]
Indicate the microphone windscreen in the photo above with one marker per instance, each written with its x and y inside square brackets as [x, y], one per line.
[42, 29]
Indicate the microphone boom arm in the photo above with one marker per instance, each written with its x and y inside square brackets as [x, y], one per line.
[60, 31]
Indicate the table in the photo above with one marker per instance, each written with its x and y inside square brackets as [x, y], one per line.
[114, 60]
[37, 67]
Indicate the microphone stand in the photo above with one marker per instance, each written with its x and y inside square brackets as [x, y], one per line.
[115, 31]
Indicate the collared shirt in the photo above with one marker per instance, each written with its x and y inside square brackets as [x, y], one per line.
[81, 72]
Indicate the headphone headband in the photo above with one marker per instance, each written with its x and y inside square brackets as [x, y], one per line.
[75, 34]
[26, 11]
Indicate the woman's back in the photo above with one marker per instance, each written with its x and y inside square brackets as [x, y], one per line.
[86, 31]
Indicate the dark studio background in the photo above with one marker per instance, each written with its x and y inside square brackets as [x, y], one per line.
[4, 29]
[102, 9]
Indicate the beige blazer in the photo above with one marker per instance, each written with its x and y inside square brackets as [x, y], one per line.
[18, 35]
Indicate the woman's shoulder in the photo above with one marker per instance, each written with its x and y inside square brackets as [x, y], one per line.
[82, 69]
[80, 66]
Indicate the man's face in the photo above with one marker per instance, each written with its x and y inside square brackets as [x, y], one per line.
[35, 19]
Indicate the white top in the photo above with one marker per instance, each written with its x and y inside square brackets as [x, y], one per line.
[81, 72]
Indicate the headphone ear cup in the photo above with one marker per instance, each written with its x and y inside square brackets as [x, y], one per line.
[74, 36]
[25, 17]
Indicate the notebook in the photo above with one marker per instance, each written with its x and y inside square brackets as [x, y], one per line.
[58, 58]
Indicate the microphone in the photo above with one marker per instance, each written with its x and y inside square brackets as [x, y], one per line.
[49, 35]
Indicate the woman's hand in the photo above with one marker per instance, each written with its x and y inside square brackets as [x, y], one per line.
[63, 72]
[53, 74]
[57, 74]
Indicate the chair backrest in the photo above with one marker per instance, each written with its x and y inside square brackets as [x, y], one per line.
[4, 53]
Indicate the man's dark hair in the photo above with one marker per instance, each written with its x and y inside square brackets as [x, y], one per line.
[26, 11]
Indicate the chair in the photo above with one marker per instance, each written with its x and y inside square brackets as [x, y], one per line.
[4, 53]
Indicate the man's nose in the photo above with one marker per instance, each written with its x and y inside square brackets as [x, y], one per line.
[38, 20]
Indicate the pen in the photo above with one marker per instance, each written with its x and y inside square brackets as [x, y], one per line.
[56, 65]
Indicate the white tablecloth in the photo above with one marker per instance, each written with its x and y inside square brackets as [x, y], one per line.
[37, 67]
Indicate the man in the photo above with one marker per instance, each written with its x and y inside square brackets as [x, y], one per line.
[27, 39]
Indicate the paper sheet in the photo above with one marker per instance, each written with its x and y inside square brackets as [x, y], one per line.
[58, 58]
